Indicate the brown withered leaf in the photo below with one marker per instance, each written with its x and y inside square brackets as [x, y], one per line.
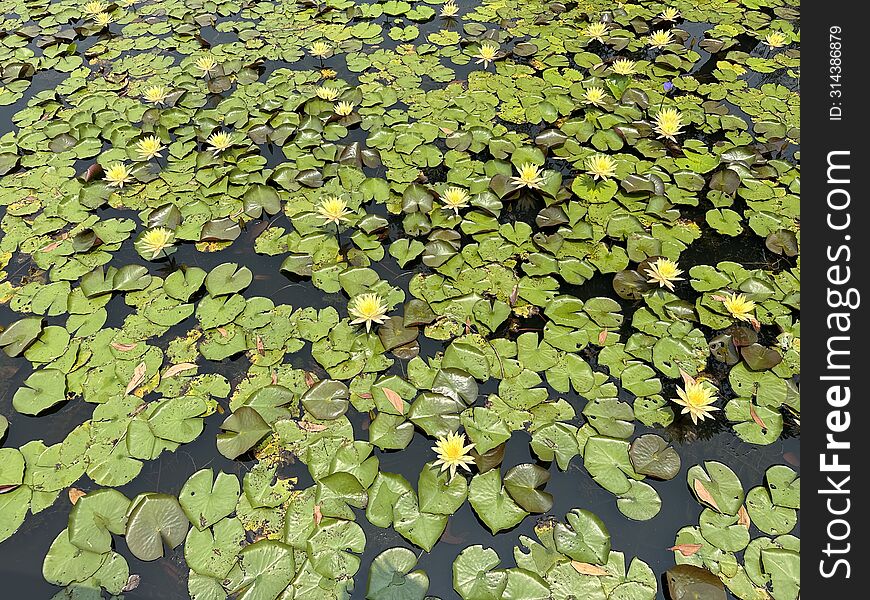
[224, 333]
[743, 517]
[122, 347]
[686, 549]
[395, 399]
[51, 246]
[274, 376]
[309, 379]
[588, 569]
[179, 368]
[132, 583]
[138, 377]
[704, 494]
[261, 349]
[317, 514]
[755, 417]
[74, 495]
[602, 337]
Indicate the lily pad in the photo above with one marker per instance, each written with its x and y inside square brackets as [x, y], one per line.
[391, 577]
[155, 520]
[653, 456]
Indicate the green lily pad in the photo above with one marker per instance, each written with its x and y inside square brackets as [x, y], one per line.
[95, 517]
[475, 576]
[18, 336]
[206, 500]
[326, 400]
[653, 456]
[391, 577]
[523, 481]
[584, 538]
[242, 430]
[155, 520]
[42, 390]
[492, 503]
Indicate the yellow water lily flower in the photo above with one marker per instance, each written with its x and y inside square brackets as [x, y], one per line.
[487, 53]
[155, 240]
[220, 141]
[529, 176]
[775, 39]
[664, 272]
[596, 31]
[455, 198]
[449, 9]
[601, 166]
[149, 147]
[623, 66]
[94, 8]
[156, 94]
[669, 123]
[660, 38]
[368, 309]
[696, 398]
[595, 95]
[103, 19]
[206, 64]
[117, 175]
[670, 14]
[328, 73]
[320, 49]
[738, 306]
[343, 109]
[326, 92]
[333, 209]
[453, 453]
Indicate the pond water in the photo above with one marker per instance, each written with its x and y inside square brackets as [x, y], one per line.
[511, 25]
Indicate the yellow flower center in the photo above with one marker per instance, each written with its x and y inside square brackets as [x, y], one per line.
[220, 141]
[594, 95]
[739, 306]
[669, 123]
[155, 240]
[453, 453]
[670, 14]
[117, 175]
[368, 309]
[206, 64]
[660, 38]
[601, 166]
[455, 198]
[623, 66]
[487, 53]
[320, 49]
[595, 31]
[696, 398]
[103, 19]
[333, 209]
[775, 39]
[149, 147]
[449, 9]
[664, 272]
[529, 176]
[156, 94]
[325, 92]
[343, 109]
[95, 8]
